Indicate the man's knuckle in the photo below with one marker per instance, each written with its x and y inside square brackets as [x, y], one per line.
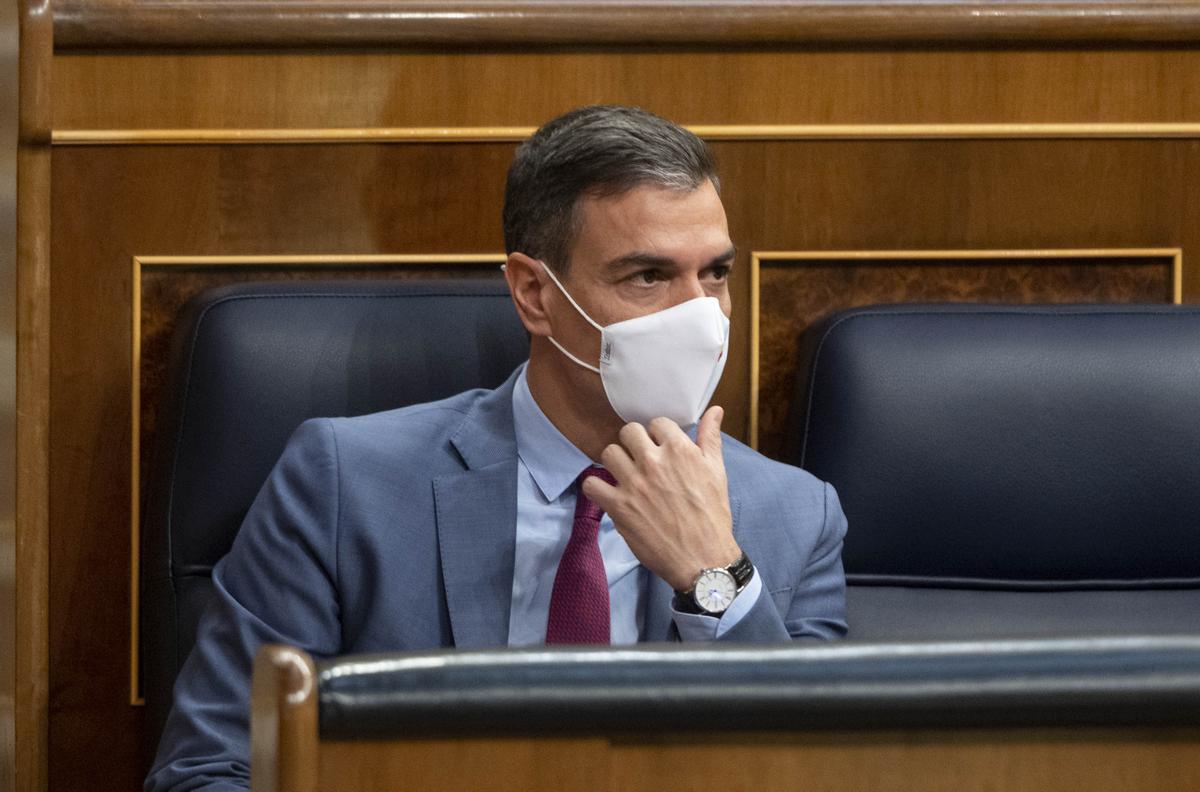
[681, 441]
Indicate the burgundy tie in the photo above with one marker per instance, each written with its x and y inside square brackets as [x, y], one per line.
[579, 602]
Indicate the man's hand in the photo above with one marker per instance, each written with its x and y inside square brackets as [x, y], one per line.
[671, 502]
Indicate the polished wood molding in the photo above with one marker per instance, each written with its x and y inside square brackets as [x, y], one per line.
[757, 258]
[283, 722]
[151, 90]
[10, 80]
[91, 24]
[724, 132]
[32, 552]
[1015, 760]
[915, 760]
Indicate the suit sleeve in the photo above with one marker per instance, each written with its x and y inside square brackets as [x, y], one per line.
[818, 605]
[278, 584]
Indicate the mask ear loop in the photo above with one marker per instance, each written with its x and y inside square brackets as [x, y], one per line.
[587, 366]
[581, 312]
[571, 299]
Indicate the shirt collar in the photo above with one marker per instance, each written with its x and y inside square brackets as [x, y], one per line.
[552, 459]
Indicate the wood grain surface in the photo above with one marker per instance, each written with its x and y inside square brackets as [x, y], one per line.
[1118, 760]
[10, 81]
[417, 23]
[31, 655]
[114, 203]
[948, 64]
[424, 89]
[283, 721]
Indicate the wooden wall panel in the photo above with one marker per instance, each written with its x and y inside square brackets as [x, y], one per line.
[965, 194]
[113, 203]
[939, 187]
[404, 89]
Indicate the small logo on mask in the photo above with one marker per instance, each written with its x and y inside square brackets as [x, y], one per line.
[606, 355]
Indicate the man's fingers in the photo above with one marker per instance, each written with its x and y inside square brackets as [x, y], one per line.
[600, 492]
[664, 429]
[633, 436]
[708, 433]
[618, 462]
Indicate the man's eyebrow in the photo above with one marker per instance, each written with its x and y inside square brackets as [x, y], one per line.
[641, 259]
[725, 258]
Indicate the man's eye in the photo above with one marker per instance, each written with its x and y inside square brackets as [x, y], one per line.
[647, 277]
[720, 272]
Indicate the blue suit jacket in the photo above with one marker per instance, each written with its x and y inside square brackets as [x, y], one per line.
[396, 531]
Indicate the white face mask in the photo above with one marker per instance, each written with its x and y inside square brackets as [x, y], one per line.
[666, 363]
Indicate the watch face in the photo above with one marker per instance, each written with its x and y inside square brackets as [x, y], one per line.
[715, 590]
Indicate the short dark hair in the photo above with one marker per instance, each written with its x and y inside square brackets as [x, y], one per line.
[597, 150]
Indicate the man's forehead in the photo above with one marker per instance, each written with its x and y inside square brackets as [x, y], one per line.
[649, 222]
[649, 195]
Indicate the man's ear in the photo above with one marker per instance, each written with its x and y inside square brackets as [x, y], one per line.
[527, 283]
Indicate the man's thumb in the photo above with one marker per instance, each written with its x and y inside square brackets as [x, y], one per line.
[708, 434]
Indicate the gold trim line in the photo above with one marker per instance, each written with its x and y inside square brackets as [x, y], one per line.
[144, 137]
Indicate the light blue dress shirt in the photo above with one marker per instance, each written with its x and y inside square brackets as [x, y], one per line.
[548, 464]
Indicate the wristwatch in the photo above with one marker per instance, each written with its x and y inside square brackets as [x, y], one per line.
[713, 590]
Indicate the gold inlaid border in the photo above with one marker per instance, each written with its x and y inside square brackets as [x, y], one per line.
[731, 132]
[757, 257]
[140, 262]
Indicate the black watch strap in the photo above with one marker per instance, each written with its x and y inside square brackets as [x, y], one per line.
[741, 569]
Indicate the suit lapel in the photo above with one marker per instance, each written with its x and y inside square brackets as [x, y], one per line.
[476, 512]
[659, 626]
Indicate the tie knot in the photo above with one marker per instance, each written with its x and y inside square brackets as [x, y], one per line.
[587, 512]
[599, 472]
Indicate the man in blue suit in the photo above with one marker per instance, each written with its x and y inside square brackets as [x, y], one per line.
[589, 499]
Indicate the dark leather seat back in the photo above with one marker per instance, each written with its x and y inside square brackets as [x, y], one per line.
[249, 364]
[1010, 469]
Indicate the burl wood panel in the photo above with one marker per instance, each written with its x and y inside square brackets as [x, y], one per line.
[1117, 760]
[794, 294]
[166, 289]
[112, 203]
[314, 90]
